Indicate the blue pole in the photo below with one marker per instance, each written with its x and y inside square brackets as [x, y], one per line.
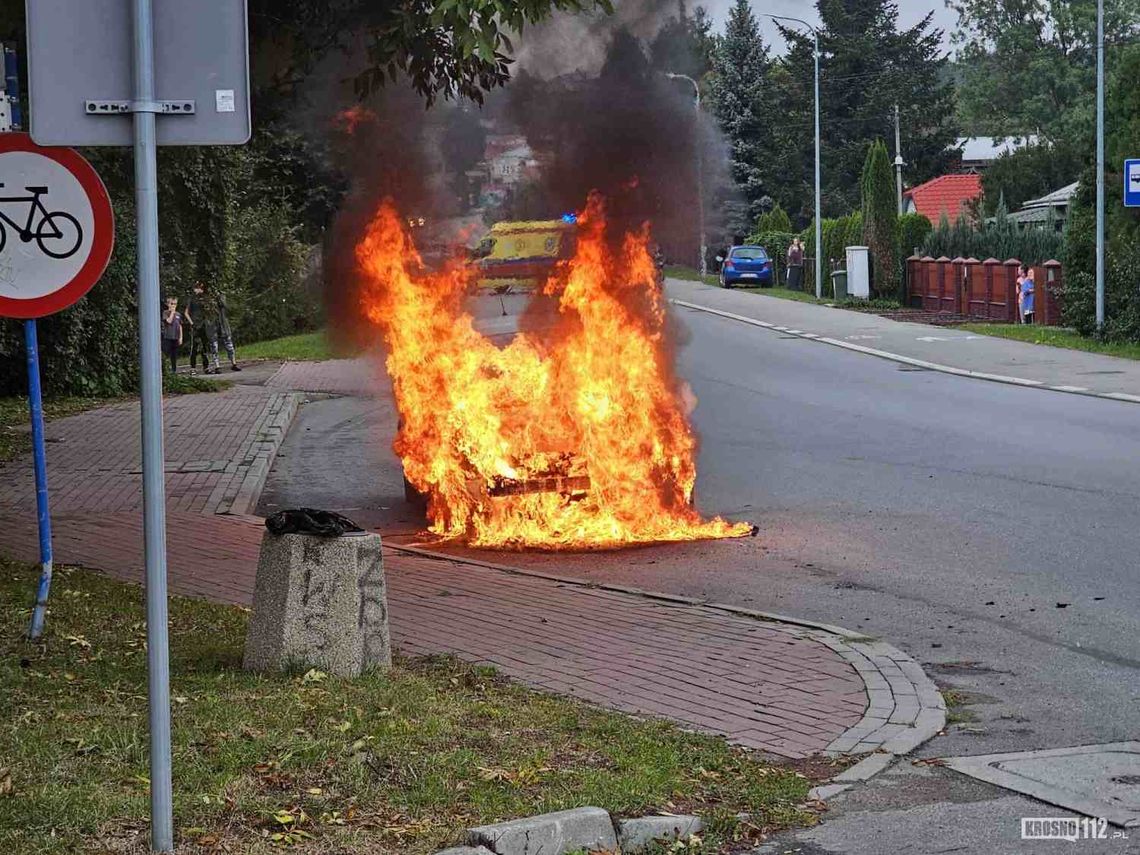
[36, 407]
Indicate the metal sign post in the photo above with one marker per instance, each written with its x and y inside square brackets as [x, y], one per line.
[95, 80]
[154, 487]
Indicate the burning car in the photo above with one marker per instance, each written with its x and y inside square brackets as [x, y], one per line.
[520, 256]
[573, 436]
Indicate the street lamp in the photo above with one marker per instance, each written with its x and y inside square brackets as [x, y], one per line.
[818, 193]
[702, 263]
[1100, 165]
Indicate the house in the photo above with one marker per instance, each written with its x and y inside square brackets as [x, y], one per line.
[1051, 209]
[976, 153]
[948, 194]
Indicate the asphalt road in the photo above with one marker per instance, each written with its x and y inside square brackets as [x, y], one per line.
[990, 531]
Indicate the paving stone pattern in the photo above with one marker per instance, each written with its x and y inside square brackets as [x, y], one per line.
[219, 447]
[361, 377]
[760, 684]
[791, 690]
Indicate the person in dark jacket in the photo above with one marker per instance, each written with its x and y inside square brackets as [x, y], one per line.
[218, 324]
[195, 318]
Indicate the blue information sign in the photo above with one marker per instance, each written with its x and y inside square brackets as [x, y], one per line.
[1132, 183]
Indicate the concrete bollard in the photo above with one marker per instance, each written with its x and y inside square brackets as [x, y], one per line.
[319, 603]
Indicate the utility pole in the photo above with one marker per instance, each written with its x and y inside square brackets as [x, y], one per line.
[818, 190]
[702, 262]
[899, 162]
[1100, 165]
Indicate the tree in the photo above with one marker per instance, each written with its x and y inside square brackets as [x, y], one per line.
[685, 44]
[1122, 256]
[742, 104]
[1028, 65]
[776, 220]
[442, 47]
[868, 66]
[880, 220]
[1029, 173]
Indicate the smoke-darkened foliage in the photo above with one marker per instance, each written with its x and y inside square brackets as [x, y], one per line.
[629, 132]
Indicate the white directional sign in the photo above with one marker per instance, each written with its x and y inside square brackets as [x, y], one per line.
[1132, 183]
[56, 228]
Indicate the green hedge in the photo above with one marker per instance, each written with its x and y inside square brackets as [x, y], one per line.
[220, 222]
[1121, 277]
[913, 231]
[1000, 238]
[838, 234]
[777, 243]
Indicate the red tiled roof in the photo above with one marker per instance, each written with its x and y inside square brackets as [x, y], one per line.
[947, 193]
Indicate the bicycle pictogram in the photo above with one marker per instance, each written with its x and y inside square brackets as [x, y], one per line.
[57, 233]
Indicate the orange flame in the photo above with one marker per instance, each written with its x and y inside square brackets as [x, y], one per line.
[575, 438]
[351, 118]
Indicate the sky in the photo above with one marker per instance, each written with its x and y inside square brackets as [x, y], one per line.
[910, 13]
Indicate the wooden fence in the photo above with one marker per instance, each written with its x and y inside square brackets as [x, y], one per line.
[985, 290]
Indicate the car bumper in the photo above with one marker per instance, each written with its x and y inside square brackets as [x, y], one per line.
[760, 278]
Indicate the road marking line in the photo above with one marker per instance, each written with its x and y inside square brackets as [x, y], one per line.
[908, 360]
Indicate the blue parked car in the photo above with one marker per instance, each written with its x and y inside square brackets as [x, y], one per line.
[750, 265]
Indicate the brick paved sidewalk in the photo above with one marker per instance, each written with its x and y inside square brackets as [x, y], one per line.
[219, 447]
[786, 689]
[761, 684]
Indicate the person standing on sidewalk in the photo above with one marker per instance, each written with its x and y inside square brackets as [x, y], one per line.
[196, 320]
[1025, 294]
[224, 334]
[796, 265]
[171, 333]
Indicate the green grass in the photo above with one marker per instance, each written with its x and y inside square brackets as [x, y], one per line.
[785, 294]
[690, 275]
[306, 347]
[675, 271]
[397, 763]
[189, 384]
[1056, 337]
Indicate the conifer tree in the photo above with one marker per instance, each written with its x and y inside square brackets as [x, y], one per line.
[880, 220]
[743, 105]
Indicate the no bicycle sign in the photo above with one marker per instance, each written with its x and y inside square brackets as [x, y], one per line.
[57, 228]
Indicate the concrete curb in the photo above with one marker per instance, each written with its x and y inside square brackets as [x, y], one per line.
[910, 360]
[904, 709]
[256, 457]
[583, 829]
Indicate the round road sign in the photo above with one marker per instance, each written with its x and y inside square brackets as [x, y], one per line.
[57, 228]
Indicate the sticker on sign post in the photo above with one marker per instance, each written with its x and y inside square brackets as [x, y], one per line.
[57, 228]
[1132, 183]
